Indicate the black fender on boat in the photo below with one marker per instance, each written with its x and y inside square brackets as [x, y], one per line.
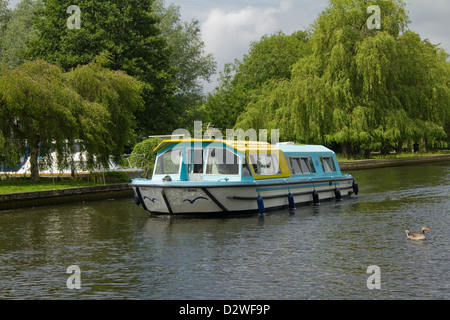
[137, 200]
[355, 187]
[260, 202]
[315, 196]
[291, 201]
[337, 194]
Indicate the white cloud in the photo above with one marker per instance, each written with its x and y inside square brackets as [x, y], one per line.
[13, 3]
[228, 33]
[430, 20]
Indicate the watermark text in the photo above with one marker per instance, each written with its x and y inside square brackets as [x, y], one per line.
[374, 21]
[74, 21]
[374, 281]
[74, 281]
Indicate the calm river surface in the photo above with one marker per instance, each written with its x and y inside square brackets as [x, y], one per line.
[319, 252]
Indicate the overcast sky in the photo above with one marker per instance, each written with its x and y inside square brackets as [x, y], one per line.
[229, 26]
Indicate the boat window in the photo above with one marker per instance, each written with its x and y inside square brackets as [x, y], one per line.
[245, 168]
[168, 162]
[328, 164]
[195, 160]
[295, 166]
[301, 165]
[306, 165]
[222, 161]
[265, 164]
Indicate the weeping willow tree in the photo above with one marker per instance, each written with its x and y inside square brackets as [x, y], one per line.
[36, 110]
[45, 109]
[361, 89]
[111, 98]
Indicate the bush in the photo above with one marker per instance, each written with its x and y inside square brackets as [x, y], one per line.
[147, 159]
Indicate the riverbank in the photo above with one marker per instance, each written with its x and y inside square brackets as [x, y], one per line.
[394, 162]
[59, 196]
[114, 191]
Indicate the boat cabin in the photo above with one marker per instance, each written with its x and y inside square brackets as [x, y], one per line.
[216, 160]
[310, 160]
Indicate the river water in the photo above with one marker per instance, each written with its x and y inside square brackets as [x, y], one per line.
[318, 252]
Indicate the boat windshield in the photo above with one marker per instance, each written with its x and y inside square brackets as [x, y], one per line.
[168, 162]
[222, 161]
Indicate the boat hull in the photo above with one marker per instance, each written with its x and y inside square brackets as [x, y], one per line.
[240, 198]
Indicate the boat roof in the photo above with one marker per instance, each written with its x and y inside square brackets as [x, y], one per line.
[239, 145]
[290, 148]
[253, 146]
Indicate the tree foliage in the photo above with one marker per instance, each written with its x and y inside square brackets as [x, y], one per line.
[357, 89]
[118, 95]
[5, 16]
[144, 156]
[47, 109]
[18, 32]
[127, 31]
[145, 39]
[99, 108]
[192, 65]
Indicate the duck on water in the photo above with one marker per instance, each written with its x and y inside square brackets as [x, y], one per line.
[204, 176]
[417, 235]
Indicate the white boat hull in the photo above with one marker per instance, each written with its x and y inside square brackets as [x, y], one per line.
[160, 199]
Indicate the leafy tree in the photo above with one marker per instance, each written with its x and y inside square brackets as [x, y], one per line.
[176, 46]
[144, 156]
[4, 11]
[423, 89]
[46, 109]
[225, 103]
[18, 32]
[36, 110]
[113, 91]
[124, 29]
[5, 16]
[360, 89]
[271, 58]
[192, 65]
